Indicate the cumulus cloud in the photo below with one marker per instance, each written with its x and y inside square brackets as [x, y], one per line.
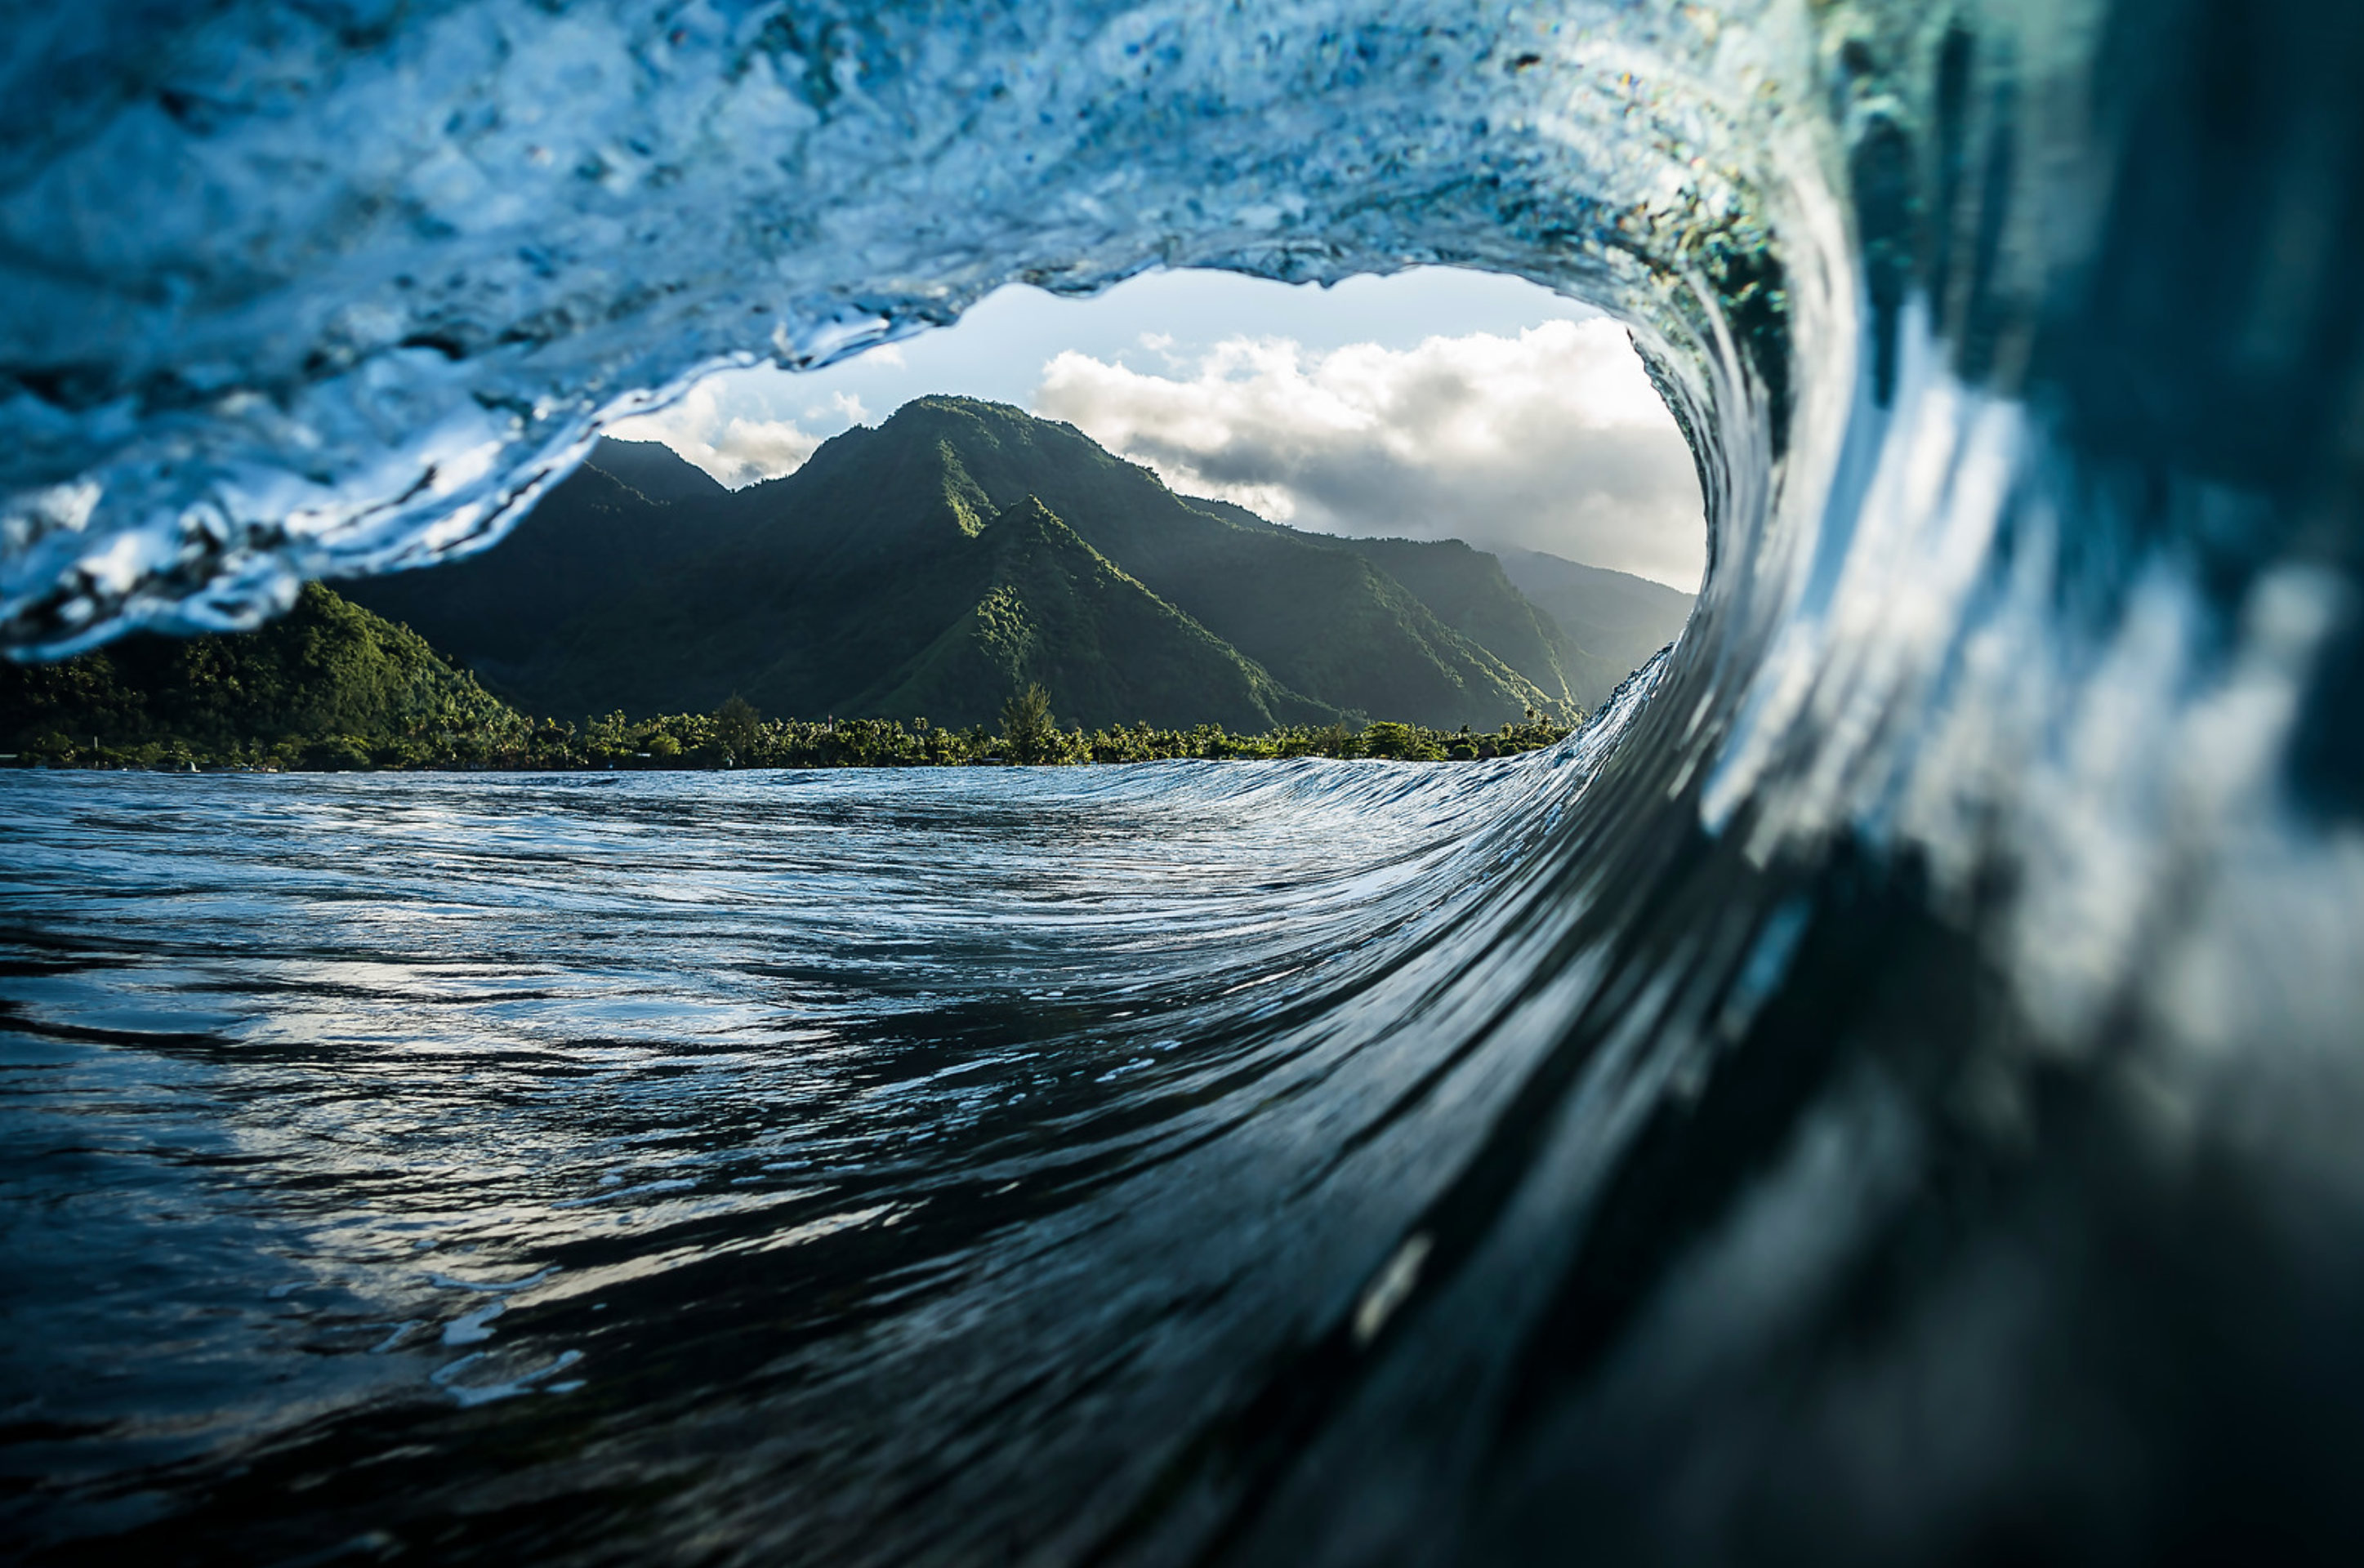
[844, 408]
[733, 448]
[1554, 439]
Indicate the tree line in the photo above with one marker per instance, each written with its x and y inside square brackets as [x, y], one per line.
[736, 736]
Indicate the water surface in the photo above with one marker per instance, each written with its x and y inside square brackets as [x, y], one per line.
[572, 1149]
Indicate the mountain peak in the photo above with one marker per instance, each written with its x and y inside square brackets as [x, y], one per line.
[929, 403]
[655, 470]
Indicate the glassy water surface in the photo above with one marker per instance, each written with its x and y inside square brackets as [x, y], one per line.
[374, 1143]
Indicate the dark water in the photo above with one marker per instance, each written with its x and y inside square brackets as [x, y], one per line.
[1891, 1097]
[690, 1154]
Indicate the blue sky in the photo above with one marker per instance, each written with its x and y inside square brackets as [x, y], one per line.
[1434, 403]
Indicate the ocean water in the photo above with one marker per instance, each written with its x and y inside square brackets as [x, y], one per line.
[1885, 1092]
[681, 1126]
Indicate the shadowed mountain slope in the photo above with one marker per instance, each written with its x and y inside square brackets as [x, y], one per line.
[1614, 621]
[1465, 590]
[960, 549]
[1055, 610]
[1575, 630]
[593, 540]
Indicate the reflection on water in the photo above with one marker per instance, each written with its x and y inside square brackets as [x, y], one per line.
[570, 1152]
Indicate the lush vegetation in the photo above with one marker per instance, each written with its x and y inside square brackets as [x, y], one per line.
[964, 560]
[326, 685]
[735, 736]
[333, 687]
[962, 550]
[689, 740]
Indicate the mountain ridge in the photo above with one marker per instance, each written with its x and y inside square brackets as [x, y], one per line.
[873, 576]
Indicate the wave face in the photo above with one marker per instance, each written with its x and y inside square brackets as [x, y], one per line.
[1883, 1092]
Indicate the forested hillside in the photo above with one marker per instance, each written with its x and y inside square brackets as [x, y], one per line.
[958, 552]
[328, 684]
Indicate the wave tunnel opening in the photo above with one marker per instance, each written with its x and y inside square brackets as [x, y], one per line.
[1881, 1091]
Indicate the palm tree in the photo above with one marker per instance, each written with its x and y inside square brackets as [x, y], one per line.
[1027, 725]
[739, 726]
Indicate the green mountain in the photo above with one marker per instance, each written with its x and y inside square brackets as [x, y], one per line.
[1318, 616]
[657, 472]
[883, 580]
[1615, 621]
[1469, 590]
[1466, 589]
[602, 534]
[1056, 612]
[958, 551]
[327, 669]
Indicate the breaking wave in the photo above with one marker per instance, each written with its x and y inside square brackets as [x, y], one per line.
[1888, 1095]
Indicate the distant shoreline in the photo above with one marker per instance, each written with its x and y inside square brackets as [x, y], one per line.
[705, 743]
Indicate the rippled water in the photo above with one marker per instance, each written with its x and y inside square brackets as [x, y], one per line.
[647, 1137]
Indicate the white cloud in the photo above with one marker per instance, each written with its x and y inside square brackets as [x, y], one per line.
[843, 407]
[1552, 440]
[733, 448]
